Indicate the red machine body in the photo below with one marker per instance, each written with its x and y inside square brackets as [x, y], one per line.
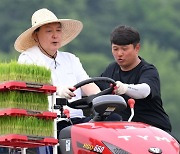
[121, 138]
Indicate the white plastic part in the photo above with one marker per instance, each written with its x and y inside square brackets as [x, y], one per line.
[55, 122]
[132, 115]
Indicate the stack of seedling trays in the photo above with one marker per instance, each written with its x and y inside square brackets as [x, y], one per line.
[25, 121]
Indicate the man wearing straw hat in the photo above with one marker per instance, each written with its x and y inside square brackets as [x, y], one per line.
[39, 45]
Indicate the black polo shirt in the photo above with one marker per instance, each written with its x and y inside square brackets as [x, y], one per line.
[149, 110]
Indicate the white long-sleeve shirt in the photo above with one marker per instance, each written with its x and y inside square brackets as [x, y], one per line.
[67, 72]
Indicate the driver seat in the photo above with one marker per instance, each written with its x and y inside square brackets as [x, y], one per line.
[106, 105]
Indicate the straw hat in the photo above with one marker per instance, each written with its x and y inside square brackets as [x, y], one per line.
[70, 29]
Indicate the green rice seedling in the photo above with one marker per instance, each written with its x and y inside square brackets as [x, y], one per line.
[24, 72]
[26, 125]
[24, 100]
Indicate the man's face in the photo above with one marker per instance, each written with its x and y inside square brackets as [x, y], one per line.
[49, 37]
[126, 55]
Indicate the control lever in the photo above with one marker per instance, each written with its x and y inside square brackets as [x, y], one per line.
[131, 103]
[60, 102]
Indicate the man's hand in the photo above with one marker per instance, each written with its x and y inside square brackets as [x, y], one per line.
[120, 88]
[66, 92]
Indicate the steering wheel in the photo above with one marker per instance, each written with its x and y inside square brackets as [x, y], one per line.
[86, 102]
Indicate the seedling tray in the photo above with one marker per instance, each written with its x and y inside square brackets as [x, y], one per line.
[23, 141]
[22, 112]
[27, 86]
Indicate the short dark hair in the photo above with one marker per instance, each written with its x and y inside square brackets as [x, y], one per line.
[125, 35]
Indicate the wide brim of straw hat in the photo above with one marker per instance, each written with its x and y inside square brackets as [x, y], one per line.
[70, 29]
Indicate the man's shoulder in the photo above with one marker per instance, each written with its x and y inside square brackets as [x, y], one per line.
[147, 65]
[66, 54]
[66, 57]
[32, 52]
[110, 69]
[112, 65]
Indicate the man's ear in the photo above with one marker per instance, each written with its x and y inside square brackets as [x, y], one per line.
[137, 48]
[34, 35]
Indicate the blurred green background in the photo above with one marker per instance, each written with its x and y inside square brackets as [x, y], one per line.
[157, 21]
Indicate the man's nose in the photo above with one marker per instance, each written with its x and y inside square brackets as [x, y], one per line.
[120, 52]
[54, 35]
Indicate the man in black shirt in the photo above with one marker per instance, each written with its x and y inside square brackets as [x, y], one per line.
[136, 78]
